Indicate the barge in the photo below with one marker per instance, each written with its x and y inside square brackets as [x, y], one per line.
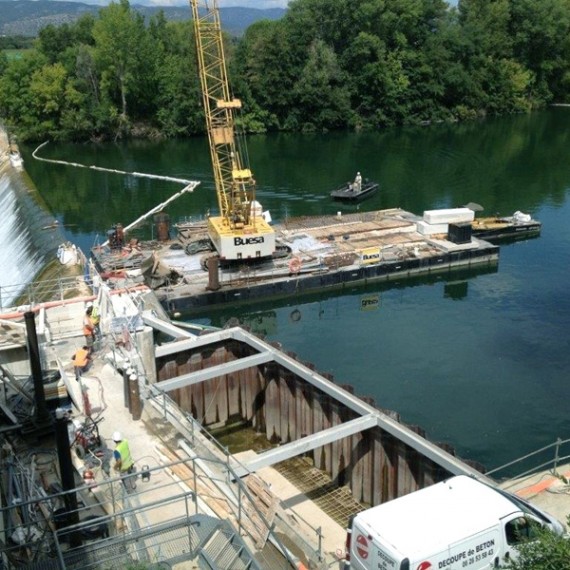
[315, 253]
[519, 225]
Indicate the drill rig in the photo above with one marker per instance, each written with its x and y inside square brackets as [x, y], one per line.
[240, 232]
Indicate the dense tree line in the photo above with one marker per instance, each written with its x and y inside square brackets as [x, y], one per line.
[15, 42]
[328, 64]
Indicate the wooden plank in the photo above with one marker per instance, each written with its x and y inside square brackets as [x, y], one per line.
[336, 446]
[327, 411]
[291, 407]
[271, 405]
[284, 408]
[221, 400]
[367, 475]
[266, 503]
[233, 394]
[318, 453]
[377, 463]
[184, 395]
[258, 401]
[356, 464]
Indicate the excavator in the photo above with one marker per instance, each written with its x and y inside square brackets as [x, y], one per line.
[239, 232]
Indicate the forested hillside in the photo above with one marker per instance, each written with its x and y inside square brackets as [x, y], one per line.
[28, 17]
[327, 64]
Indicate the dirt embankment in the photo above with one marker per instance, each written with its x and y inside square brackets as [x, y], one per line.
[4, 147]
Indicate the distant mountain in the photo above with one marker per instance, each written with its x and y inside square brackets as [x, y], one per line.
[27, 17]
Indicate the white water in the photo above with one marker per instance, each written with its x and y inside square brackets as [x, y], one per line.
[20, 259]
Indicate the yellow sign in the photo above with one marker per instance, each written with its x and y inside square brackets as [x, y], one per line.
[369, 302]
[370, 255]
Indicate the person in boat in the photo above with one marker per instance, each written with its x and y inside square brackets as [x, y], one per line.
[357, 186]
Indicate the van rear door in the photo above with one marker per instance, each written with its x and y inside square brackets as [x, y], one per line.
[368, 553]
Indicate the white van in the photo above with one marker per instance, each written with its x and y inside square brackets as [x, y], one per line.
[458, 524]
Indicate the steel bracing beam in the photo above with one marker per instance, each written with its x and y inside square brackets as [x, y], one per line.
[164, 326]
[213, 372]
[386, 423]
[192, 343]
[308, 443]
[383, 421]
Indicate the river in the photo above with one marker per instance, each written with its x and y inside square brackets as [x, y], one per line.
[480, 360]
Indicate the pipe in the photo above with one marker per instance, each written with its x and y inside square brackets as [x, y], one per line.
[84, 299]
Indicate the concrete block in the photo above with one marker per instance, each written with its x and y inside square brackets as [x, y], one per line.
[449, 216]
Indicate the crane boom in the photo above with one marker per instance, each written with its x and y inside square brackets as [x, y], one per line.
[240, 231]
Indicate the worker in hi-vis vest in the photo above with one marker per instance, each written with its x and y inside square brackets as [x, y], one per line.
[81, 360]
[124, 463]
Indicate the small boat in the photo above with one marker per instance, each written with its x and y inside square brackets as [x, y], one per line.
[354, 191]
[16, 160]
[498, 227]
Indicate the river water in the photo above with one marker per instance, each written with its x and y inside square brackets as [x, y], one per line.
[480, 360]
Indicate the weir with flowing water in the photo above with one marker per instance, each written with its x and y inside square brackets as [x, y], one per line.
[25, 247]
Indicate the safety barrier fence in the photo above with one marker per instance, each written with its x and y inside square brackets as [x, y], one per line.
[154, 518]
[549, 457]
[307, 538]
[47, 290]
[40, 291]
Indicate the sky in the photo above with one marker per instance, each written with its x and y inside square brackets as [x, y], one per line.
[261, 4]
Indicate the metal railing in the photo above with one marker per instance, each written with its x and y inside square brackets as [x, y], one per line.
[40, 291]
[46, 290]
[115, 525]
[307, 538]
[547, 457]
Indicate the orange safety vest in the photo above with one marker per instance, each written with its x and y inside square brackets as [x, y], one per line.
[87, 326]
[81, 357]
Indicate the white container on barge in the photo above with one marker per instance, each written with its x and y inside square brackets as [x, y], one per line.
[458, 524]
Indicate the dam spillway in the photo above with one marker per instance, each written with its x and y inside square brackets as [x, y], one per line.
[25, 246]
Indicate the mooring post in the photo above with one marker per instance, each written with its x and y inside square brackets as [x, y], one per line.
[126, 389]
[213, 274]
[135, 398]
[557, 455]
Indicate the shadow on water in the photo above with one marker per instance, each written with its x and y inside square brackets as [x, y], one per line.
[261, 318]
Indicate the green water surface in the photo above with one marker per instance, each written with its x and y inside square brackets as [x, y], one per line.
[480, 360]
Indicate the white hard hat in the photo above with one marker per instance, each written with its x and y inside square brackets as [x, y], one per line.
[117, 436]
[89, 304]
[358, 174]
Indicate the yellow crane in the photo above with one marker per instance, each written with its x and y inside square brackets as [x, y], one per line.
[240, 231]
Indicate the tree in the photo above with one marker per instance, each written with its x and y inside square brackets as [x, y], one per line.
[179, 101]
[16, 102]
[541, 37]
[547, 551]
[124, 55]
[265, 69]
[321, 93]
